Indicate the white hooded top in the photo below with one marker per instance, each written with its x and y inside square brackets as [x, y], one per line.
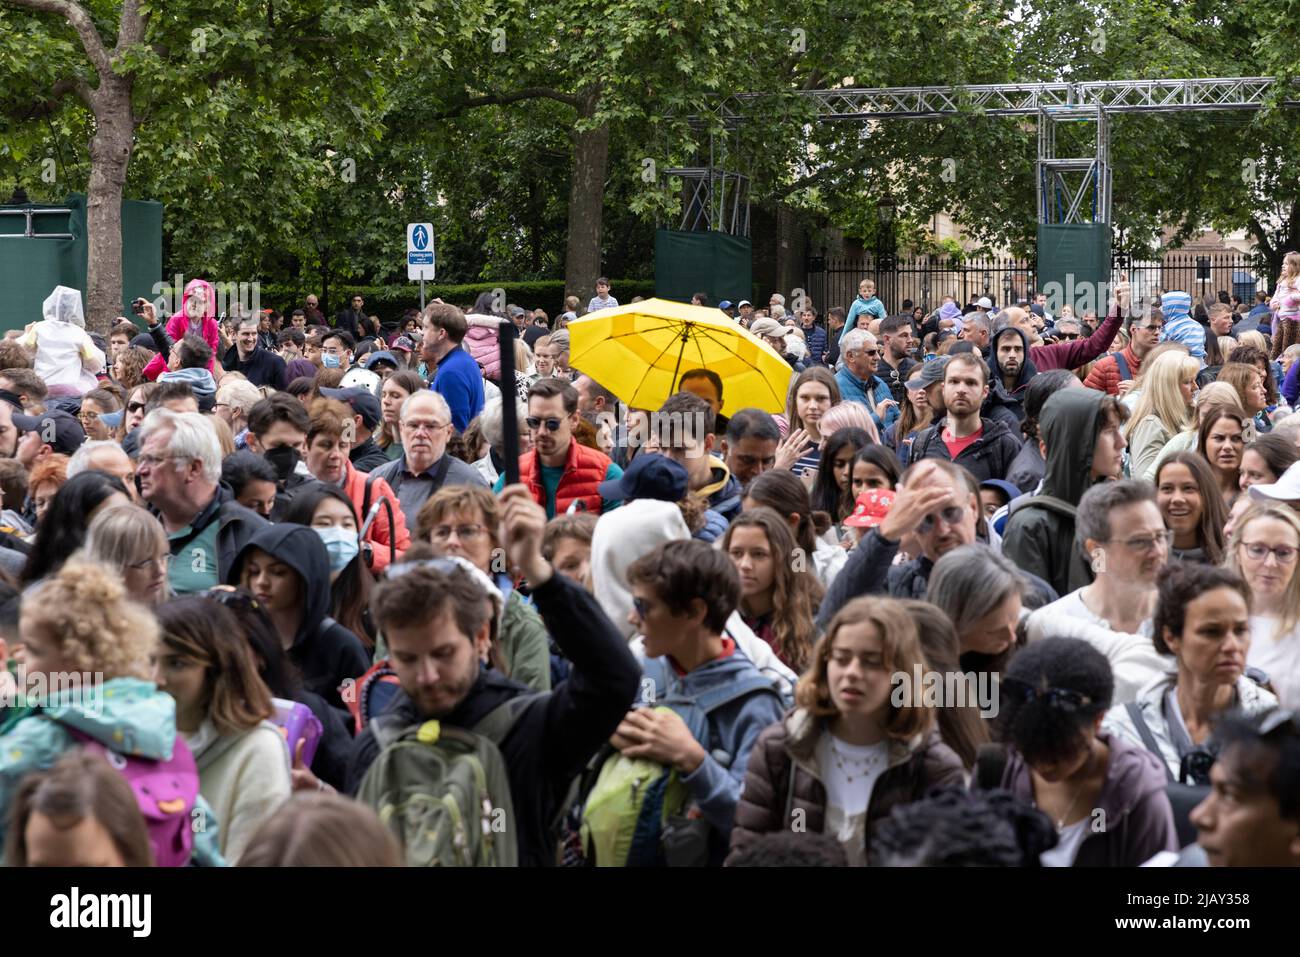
[66, 359]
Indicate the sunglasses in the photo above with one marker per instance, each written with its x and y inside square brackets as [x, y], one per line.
[951, 516]
[135, 407]
[1063, 699]
[535, 423]
[642, 609]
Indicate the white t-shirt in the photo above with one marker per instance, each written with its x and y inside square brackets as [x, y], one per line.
[849, 772]
[1071, 837]
[1280, 657]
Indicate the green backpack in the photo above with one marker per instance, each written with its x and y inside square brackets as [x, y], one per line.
[444, 791]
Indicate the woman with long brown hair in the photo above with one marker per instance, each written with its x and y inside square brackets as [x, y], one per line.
[780, 491]
[1220, 441]
[854, 748]
[1187, 494]
[779, 595]
[811, 396]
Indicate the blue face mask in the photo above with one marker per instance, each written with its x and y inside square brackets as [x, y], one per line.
[342, 545]
[329, 361]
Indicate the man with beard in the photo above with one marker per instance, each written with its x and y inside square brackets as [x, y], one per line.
[984, 447]
[436, 621]
[1010, 371]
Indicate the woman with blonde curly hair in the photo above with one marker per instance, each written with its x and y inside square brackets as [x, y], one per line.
[860, 740]
[84, 648]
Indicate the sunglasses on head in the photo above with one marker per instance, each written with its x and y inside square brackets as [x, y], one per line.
[534, 423]
[1063, 699]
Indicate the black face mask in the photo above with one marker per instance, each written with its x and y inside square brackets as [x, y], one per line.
[284, 459]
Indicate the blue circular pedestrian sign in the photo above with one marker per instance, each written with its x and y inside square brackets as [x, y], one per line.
[419, 237]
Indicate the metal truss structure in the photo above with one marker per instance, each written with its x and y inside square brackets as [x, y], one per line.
[716, 200]
[1070, 189]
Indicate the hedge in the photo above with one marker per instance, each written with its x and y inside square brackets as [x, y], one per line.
[389, 302]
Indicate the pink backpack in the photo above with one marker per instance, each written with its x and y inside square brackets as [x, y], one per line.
[166, 792]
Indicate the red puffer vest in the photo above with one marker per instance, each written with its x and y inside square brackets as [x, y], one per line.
[584, 470]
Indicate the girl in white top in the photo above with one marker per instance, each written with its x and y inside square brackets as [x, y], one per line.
[1264, 549]
[66, 359]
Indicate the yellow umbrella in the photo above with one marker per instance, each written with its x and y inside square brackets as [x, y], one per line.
[639, 352]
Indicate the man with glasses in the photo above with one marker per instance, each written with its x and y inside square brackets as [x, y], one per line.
[1115, 374]
[1080, 433]
[858, 381]
[180, 478]
[311, 315]
[1123, 537]
[336, 349]
[563, 475]
[352, 320]
[424, 465]
[1251, 817]
[937, 509]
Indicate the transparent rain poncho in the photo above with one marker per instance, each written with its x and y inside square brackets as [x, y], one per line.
[64, 305]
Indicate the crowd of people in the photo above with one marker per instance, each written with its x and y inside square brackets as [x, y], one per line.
[996, 587]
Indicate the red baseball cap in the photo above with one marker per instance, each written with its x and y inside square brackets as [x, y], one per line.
[872, 507]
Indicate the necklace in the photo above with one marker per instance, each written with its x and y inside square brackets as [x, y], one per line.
[861, 767]
[1060, 823]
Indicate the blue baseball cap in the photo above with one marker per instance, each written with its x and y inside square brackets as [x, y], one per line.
[649, 476]
[725, 304]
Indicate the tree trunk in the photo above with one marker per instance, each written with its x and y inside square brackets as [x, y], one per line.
[582, 262]
[110, 153]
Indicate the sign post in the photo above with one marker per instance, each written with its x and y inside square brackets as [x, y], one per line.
[420, 260]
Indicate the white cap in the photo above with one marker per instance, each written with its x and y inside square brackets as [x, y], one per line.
[984, 302]
[1285, 489]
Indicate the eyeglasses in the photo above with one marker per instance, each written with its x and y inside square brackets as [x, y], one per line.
[163, 562]
[642, 609]
[152, 460]
[950, 515]
[1259, 552]
[87, 416]
[552, 425]
[414, 427]
[465, 533]
[1068, 335]
[1063, 699]
[1147, 542]
[135, 407]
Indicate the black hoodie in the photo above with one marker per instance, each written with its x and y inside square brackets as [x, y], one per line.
[1000, 397]
[324, 651]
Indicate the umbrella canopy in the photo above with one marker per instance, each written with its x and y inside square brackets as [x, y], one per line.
[639, 352]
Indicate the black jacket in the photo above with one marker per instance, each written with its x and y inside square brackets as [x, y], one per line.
[556, 735]
[367, 457]
[263, 367]
[870, 570]
[988, 457]
[350, 320]
[325, 652]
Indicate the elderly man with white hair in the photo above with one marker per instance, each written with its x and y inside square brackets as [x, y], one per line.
[105, 455]
[234, 398]
[180, 478]
[858, 381]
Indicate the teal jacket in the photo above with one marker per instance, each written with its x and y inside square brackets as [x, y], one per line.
[128, 715]
[873, 307]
